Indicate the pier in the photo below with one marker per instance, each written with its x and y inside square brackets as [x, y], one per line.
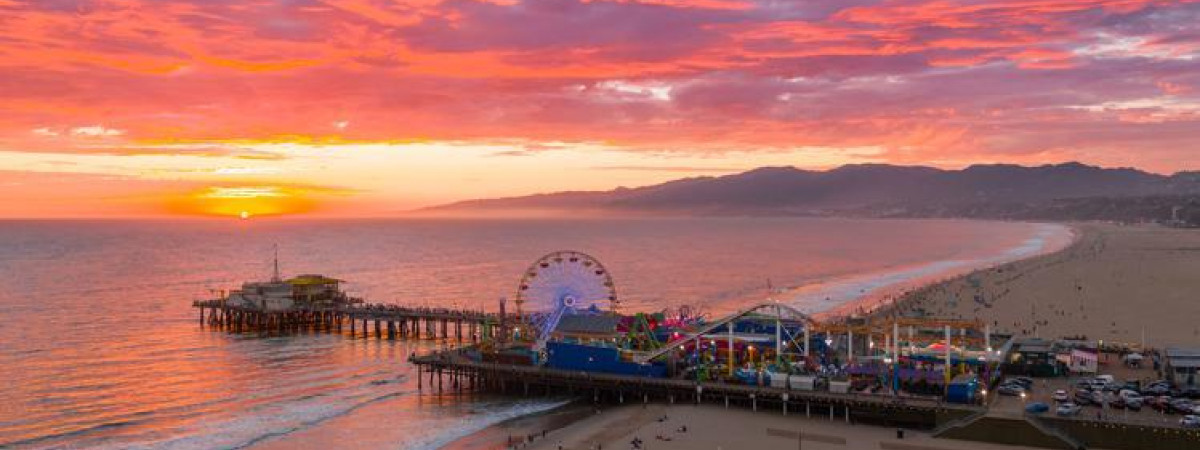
[390, 321]
[450, 371]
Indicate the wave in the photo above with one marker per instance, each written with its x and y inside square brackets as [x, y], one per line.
[488, 415]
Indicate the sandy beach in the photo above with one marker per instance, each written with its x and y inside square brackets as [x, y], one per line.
[1114, 283]
[712, 427]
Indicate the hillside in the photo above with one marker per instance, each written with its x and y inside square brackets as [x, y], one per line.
[1064, 192]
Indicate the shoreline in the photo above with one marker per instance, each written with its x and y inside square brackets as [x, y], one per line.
[866, 294]
[532, 428]
[903, 301]
[1130, 285]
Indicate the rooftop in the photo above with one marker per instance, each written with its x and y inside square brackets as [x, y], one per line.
[1186, 363]
[588, 324]
[1033, 345]
[1183, 353]
[312, 279]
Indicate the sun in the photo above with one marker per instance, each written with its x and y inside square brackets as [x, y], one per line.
[243, 202]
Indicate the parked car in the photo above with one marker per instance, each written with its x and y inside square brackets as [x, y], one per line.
[1068, 409]
[1061, 396]
[1025, 382]
[1132, 399]
[1181, 406]
[1190, 421]
[1010, 389]
[1084, 397]
[1156, 390]
[1160, 403]
[1107, 398]
[1116, 403]
[1037, 408]
[1190, 392]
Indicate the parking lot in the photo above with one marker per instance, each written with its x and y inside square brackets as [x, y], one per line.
[1044, 388]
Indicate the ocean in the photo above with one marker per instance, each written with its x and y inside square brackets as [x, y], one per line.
[99, 347]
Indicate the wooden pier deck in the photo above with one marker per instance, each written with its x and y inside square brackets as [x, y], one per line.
[452, 368]
[392, 321]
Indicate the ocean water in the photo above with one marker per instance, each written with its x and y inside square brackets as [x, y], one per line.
[99, 347]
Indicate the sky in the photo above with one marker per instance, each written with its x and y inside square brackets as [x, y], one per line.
[347, 108]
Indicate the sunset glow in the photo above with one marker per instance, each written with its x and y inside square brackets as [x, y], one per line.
[371, 108]
[244, 202]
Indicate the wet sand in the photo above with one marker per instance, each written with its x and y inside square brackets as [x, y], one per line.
[1114, 283]
[531, 428]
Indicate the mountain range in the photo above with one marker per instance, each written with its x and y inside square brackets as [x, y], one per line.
[1069, 191]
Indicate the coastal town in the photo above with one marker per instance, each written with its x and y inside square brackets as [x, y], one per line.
[939, 374]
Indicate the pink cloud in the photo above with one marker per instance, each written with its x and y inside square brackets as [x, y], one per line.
[928, 80]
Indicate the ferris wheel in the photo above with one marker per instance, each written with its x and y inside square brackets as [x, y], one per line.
[560, 283]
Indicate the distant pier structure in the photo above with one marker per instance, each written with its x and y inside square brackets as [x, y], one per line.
[378, 320]
[316, 302]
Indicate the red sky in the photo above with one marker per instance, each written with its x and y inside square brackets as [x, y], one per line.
[369, 107]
